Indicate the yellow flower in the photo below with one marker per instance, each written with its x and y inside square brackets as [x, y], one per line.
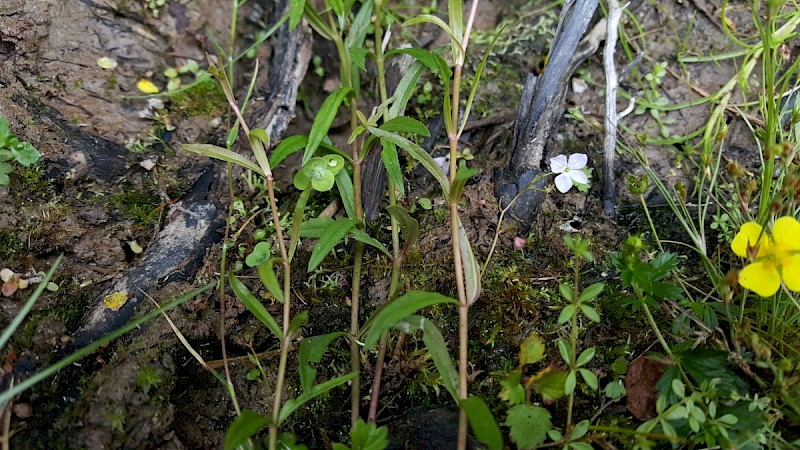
[773, 258]
[147, 86]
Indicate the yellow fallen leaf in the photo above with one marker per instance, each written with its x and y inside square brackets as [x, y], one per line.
[147, 86]
[115, 301]
[106, 62]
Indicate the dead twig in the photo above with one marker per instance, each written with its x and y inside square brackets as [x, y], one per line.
[610, 144]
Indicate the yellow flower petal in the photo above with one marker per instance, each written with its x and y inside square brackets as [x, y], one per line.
[790, 272]
[749, 235]
[761, 278]
[115, 301]
[147, 86]
[786, 233]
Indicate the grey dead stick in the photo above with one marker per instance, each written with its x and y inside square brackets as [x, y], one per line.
[610, 144]
[177, 252]
[192, 224]
[541, 106]
[277, 87]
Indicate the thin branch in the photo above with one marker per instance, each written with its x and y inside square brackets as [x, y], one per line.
[610, 144]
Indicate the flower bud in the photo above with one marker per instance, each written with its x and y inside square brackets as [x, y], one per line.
[735, 170]
[680, 189]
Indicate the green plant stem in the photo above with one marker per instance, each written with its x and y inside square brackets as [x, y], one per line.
[573, 339]
[355, 350]
[768, 74]
[221, 293]
[463, 308]
[650, 222]
[232, 50]
[286, 342]
[396, 263]
[656, 330]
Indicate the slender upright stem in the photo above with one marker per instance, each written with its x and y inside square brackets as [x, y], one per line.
[396, 263]
[458, 264]
[768, 74]
[355, 349]
[286, 341]
[222, 299]
[573, 338]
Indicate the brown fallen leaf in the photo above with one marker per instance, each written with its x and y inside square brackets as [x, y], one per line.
[640, 384]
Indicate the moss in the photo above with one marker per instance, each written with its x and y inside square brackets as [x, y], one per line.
[140, 207]
[10, 244]
[30, 182]
[201, 99]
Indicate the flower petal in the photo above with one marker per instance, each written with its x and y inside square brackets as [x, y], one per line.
[578, 176]
[761, 278]
[747, 236]
[577, 161]
[563, 183]
[147, 86]
[790, 272]
[558, 164]
[785, 233]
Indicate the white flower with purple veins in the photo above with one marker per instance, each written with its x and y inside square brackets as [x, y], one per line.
[569, 171]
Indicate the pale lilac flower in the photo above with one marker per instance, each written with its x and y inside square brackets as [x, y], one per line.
[569, 172]
[444, 163]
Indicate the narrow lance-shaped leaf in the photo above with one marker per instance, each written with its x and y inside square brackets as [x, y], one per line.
[482, 422]
[437, 348]
[416, 152]
[291, 405]
[397, 309]
[311, 351]
[243, 428]
[324, 119]
[344, 184]
[565, 350]
[392, 164]
[316, 22]
[430, 18]
[456, 19]
[212, 151]
[463, 174]
[404, 124]
[405, 89]
[313, 228]
[259, 141]
[296, 8]
[472, 275]
[591, 292]
[298, 321]
[266, 272]
[297, 221]
[254, 306]
[441, 357]
[400, 125]
[409, 227]
[362, 236]
[331, 236]
[433, 61]
[287, 146]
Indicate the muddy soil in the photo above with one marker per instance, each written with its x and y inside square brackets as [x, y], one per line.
[112, 177]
